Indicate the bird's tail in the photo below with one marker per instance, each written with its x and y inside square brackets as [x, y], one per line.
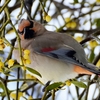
[94, 69]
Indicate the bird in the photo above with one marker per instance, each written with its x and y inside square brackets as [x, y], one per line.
[56, 56]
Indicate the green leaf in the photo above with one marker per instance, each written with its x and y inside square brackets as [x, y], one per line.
[24, 86]
[79, 84]
[85, 22]
[75, 1]
[33, 71]
[1, 86]
[7, 74]
[13, 67]
[53, 86]
[1, 52]
[92, 55]
[2, 94]
[98, 23]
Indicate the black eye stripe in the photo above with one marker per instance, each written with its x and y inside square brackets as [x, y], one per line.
[21, 32]
[27, 27]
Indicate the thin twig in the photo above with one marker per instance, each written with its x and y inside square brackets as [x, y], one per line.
[44, 96]
[5, 88]
[96, 59]
[31, 86]
[17, 87]
[53, 95]
[81, 95]
[77, 18]
[86, 40]
[87, 90]
[27, 11]
[5, 5]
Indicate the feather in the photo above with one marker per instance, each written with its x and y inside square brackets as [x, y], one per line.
[63, 52]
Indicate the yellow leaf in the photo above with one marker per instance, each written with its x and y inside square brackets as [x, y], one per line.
[28, 76]
[10, 31]
[68, 82]
[98, 1]
[10, 63]
[30, 98]
[1, 64]
[78, 38]
[26, 52]
[67, 19]
[23, 68]
[48, 18]
[73, 24]
[2, 46]
[98, 63]
[1, 41]
[93, 44]
[27, 61]
[68, 25]
[13, 95]
[26, 56]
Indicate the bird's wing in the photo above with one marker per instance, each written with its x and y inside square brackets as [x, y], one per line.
[65, 54]
[62, 52]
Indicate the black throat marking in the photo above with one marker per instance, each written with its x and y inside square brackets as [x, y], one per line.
[28, 33]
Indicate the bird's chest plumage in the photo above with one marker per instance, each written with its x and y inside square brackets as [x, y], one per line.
[51, 69]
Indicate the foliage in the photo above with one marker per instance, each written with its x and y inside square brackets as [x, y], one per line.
[78, 16]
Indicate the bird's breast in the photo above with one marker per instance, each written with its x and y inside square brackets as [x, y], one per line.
[52, 69]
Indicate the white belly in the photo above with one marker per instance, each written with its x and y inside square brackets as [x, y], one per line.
[51, 69]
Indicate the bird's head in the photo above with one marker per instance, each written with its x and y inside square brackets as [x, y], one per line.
[29, 29]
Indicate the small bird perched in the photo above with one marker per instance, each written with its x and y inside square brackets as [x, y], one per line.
[57, 57]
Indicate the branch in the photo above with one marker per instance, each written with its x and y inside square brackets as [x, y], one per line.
[78, 18]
